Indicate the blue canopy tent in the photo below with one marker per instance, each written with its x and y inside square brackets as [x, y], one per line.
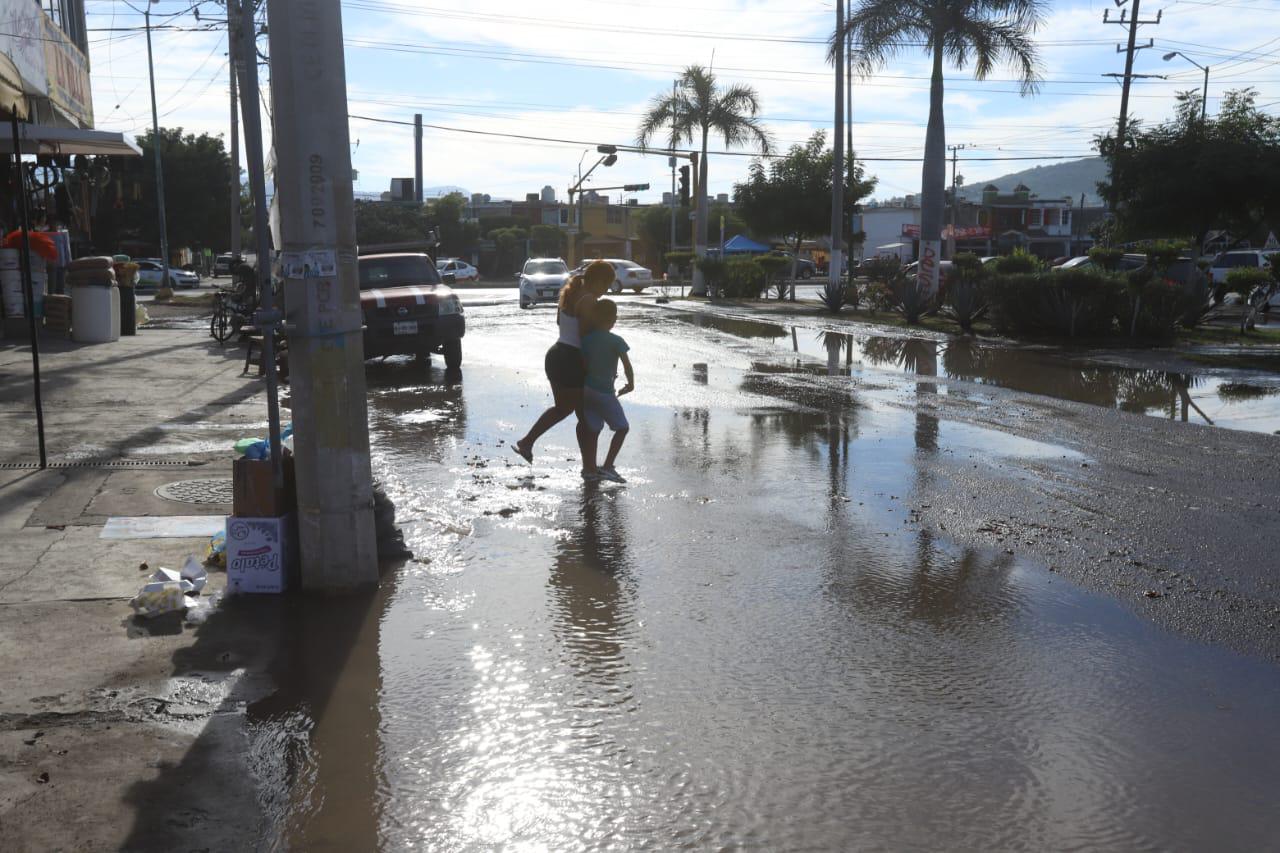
[742, 245]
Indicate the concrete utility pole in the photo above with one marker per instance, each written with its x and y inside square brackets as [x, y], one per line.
[1132, 22]
[955, 199]
[155, 145]
[417, 158]
[834, 273]
[322, 296]
[242, 23]
[235, 143]
[671, 161]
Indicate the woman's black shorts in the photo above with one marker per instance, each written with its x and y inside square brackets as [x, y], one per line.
[565, 366]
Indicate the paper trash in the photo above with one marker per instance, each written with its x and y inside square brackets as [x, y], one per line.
[194, 573]
[166, 591]
[159, 597]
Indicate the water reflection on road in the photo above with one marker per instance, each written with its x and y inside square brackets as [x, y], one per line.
[1214, 400]
[753, 644]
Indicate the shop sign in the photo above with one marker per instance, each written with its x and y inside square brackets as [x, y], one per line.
[68, 72]
[22, 40]
[968, 232]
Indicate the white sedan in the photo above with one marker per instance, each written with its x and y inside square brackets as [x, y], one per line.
[462, 271]
[150, 275]
[627, 275]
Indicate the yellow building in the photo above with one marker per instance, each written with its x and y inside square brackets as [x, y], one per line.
[611, 231]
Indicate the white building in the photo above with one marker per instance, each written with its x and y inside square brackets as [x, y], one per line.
[886, 227]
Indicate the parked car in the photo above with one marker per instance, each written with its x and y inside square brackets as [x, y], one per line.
[407, 310]
[944, 272]
[223, 264]
[1126, 263]
[805, 268]
[462, 271]
[151, 274]
[1224, 262]
[626, 274]
[541, 279]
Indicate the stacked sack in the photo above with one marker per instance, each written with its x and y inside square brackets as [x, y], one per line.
[98, 271]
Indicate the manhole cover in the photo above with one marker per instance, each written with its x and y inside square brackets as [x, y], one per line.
[197, 491]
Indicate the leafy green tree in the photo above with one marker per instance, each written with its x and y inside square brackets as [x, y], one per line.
[982, 32]
[697, 109]
[785, 199]
[548, 241]
[509, 249]
[388, 222]
[1185, 177]
[459, 236]
[197, 194]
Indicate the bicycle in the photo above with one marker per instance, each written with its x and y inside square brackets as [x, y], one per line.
[233, 308]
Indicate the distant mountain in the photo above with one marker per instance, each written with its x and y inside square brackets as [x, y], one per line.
[436, 192]
[1061, 180]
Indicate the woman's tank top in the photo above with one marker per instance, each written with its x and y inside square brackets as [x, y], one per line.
[570, 332]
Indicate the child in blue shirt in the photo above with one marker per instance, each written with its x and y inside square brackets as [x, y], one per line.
[602, 349]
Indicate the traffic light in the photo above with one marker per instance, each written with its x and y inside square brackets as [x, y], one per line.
[684, 186]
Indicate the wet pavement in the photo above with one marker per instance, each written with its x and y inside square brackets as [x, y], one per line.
[786, 631]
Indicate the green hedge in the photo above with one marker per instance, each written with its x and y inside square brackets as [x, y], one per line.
[1075, 303]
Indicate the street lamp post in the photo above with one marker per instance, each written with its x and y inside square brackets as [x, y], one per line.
[609, 156]
[1204, 98]
[155, 143]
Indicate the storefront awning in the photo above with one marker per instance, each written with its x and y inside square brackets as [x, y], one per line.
[42, 139]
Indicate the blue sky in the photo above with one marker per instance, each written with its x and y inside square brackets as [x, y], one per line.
[584, 70]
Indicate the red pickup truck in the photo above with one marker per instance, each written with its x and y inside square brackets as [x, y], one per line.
[408, 310]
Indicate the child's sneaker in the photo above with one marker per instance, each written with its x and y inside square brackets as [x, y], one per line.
[608, 472]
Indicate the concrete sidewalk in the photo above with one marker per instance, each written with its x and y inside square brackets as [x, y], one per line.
[95, 703]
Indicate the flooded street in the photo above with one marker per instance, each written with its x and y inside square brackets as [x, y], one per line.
[773, 637]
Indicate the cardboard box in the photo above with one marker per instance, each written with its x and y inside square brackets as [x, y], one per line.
[253, 489]
[260, 553]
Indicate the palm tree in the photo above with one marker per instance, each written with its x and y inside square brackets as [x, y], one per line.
[691, 113]
[984, 32]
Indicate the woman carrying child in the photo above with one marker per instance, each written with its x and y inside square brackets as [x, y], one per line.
[565, 365]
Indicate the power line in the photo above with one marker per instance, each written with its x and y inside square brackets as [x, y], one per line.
[635, 149]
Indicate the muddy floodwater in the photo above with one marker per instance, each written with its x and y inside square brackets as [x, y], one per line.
[752, 644]
[1239, 399]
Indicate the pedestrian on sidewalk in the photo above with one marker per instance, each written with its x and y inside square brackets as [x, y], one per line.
[603, 349]
[564, 363]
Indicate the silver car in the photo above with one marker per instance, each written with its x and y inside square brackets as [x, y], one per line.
[541, 280]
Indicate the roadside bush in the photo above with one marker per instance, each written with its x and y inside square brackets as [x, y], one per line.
[1106, 257]
[1161, 304]
[909, 297]
[878, 296]
[743, 278]
[683, 261]
[1074, 303]
[713, 271]
[964, 298]
[1162, 254]
[774, 268]
[881, 270]
[1243, 280]
[835, 298]
[1021, 261]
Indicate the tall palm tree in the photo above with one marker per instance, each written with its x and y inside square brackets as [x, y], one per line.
[984, 32]
[691, 113]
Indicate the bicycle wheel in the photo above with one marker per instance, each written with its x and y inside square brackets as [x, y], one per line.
[220, 325]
